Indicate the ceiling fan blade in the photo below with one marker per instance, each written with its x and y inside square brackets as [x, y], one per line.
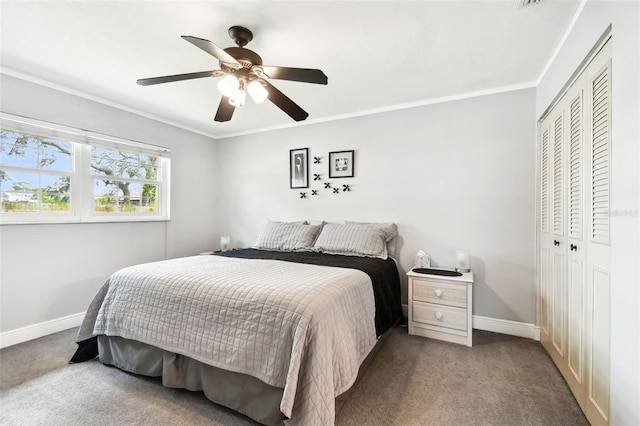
[305, 75]
[179, 77]
[214, 51]
[292, 109]
[225, 110]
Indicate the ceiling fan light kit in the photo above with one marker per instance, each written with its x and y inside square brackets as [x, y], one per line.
[242, 70]
[257, 91]
[238, 97]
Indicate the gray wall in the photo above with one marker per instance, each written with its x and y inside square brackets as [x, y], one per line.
[50, 271]
[624, 17]
[456, 175]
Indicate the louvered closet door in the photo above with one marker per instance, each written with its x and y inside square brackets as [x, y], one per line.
[552, 259]
[558, 287]
[545, 241]
[574, 236]
[577, 254]
[598, 97]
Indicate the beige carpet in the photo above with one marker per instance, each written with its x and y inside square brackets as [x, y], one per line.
[502, 380]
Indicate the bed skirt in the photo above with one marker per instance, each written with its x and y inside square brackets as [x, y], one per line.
[240, 392]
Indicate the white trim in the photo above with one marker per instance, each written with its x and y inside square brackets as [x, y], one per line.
[431, 101]
[19, 335]
[513, 328]
[30, 332]
[84, 95]
[562, 41]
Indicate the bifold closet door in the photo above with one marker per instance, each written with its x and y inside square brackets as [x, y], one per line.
[598, 96]
[553, 238]
[576, 185]
[574, 237]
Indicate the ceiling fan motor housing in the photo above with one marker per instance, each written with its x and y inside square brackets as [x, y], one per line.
[246, 57]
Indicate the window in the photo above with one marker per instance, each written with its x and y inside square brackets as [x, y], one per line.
[49, 173]
[124, 182]
[36, 173]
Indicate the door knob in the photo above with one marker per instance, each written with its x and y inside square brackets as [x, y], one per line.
[556, 242]
[574, 247]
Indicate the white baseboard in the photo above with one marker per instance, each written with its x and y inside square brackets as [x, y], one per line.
[30, 332]
[19, 335]
[513, 328]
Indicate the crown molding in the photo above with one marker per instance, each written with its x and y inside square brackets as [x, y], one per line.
[97, 99]
[391, 108]
[397, 107]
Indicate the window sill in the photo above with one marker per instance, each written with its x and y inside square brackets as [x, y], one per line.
[77, 221]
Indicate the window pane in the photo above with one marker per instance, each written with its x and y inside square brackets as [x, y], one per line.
[127, 168]
[23, 192]
[104, 197]
[56, 156]
[102, 161]
[129, 197]
[19, 191]
[25, 150]
[117, 163]
[150, 172]
[56, 194]
[149, 198]
[124, 197]
[13, 155]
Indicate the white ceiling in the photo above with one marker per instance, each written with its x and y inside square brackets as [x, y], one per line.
[378, 55]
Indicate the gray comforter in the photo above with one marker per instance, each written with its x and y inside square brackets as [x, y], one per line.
[303, 328]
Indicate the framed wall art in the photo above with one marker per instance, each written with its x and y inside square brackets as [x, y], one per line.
[341, 164]
[299, 167]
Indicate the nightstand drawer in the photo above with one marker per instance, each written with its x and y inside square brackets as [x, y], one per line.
[443, 316]
[440, 293]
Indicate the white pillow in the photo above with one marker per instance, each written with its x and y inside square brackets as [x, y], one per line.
[351, 239]
[390, 231]
[287, 236]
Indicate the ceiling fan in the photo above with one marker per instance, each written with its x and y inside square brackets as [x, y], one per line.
[242, 71]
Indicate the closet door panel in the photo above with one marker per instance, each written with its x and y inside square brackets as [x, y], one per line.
[576, 255]
[598, 98]
[545, 306]
[545, 241]
[558, 175]
[558, 306]
[575, 321]
[598, 328]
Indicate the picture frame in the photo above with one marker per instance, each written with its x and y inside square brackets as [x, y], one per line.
[299, 168]
[341, 164]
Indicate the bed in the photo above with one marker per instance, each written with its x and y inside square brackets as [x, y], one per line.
[276, 334]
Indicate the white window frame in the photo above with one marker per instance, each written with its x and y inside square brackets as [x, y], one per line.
[81, 188]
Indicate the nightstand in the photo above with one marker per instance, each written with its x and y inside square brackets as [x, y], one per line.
[440, 306]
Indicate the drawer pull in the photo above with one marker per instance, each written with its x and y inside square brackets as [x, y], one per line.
[438, 292]
[438, 315]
